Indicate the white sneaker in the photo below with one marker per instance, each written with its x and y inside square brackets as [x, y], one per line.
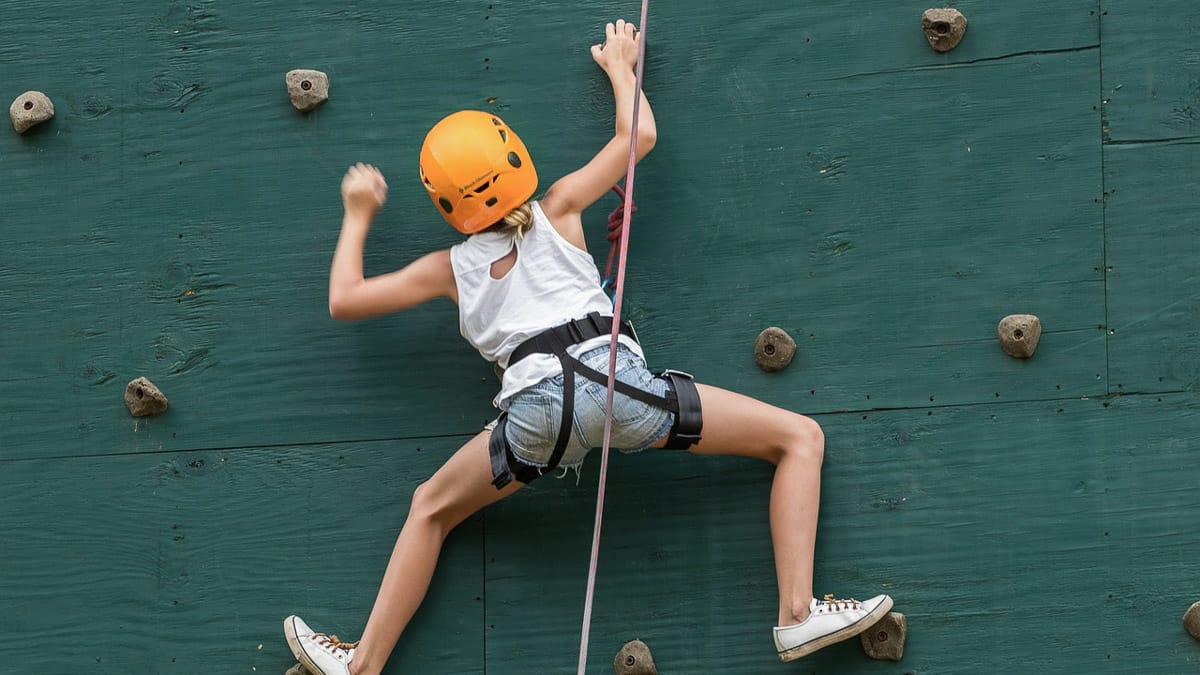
[321, 654]
[830, 621]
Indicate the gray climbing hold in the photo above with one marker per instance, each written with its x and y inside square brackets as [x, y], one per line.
[1191, 620]
[29, 110]
[774, 349]
[944, 28]
[143, 398]
[885, 640]
[307, 88]
[297, 669]
[1019, 335]
[634, 659]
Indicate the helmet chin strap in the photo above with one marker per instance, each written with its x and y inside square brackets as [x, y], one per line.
[618, 289]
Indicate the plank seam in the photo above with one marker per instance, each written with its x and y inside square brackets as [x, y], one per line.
[1103, 189]
[823, 413]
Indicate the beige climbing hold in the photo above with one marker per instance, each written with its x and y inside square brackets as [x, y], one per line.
[634, 659]
[944, 28]
[298, 669]
[307, 88]
[1191, 620]
[1019, 334]
[143, 398]
[774, 349]
[29, 110]
[885, 640]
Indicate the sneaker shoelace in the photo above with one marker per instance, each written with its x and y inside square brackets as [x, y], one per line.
[332, 643]
[839, 605]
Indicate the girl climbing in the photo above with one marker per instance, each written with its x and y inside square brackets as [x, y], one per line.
[530, 300]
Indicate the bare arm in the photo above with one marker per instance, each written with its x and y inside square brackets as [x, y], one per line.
[573, 193]
[353, 297]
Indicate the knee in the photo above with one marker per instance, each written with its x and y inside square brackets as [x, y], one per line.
[428, 507]
[807, 441]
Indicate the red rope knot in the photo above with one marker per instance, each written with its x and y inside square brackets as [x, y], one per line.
[616, 229]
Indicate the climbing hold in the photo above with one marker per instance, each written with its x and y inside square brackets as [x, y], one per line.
[944, 28]
[143, 398]
[307, 88]
[29, 110]
[1191, 620]
[297, 669]
[1019, 334]
[885, 640]
[634, 659]
[774, 349]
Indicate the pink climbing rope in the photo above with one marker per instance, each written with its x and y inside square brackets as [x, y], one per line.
[612, 349]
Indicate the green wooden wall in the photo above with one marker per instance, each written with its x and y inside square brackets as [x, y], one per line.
[819, 168]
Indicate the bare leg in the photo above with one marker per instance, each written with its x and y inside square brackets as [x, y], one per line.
[739, 425]
[460, 488]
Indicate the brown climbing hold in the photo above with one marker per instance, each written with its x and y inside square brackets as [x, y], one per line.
[634, 659]
[944, 28]
[774, 349]
[297, 669]
[143, 398]
[1191, 620]
[307, 88]
[1019, 334]
[885, 640]
[29, 110]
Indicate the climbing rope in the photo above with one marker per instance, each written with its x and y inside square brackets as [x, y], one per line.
[623, 236]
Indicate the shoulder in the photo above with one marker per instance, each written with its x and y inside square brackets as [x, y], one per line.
[565, 220]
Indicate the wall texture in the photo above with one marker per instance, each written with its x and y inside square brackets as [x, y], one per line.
[819, 168]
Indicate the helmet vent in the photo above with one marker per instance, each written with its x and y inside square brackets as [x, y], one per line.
[514, 159]
[503, 135]
[483, 186]
[496, 121]
[491, 201]
[445, 204]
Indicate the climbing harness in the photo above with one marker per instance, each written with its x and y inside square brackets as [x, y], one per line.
[681, 398]
[612, 353]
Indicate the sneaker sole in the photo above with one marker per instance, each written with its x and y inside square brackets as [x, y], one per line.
[844, 634]
[289, 631]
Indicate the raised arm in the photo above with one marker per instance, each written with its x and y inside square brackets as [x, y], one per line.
[576, 191]
[351, 296]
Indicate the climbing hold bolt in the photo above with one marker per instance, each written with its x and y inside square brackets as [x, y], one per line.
[1191, 620]
[634, 659]
[29, 110]
[1019, 334]
[143, 398]
[307, 88]
[885, 640]
[774, 349]
[944, 28]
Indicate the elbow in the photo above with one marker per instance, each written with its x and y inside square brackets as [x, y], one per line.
[646, 138]
[340, 309]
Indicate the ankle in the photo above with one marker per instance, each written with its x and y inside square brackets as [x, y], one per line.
[361, 667]
[796, 612]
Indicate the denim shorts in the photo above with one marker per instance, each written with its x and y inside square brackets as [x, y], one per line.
[535, 413]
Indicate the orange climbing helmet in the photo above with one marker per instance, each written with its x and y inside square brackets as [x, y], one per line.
[476, 170]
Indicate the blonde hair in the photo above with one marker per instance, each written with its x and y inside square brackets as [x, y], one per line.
[518, 221]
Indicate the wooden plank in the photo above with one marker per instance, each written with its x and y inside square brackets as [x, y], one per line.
[1151, 91]
[1026, 533]
[168, 562]
[1153, 280]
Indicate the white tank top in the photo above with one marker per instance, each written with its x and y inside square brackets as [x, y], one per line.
[552, 282]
